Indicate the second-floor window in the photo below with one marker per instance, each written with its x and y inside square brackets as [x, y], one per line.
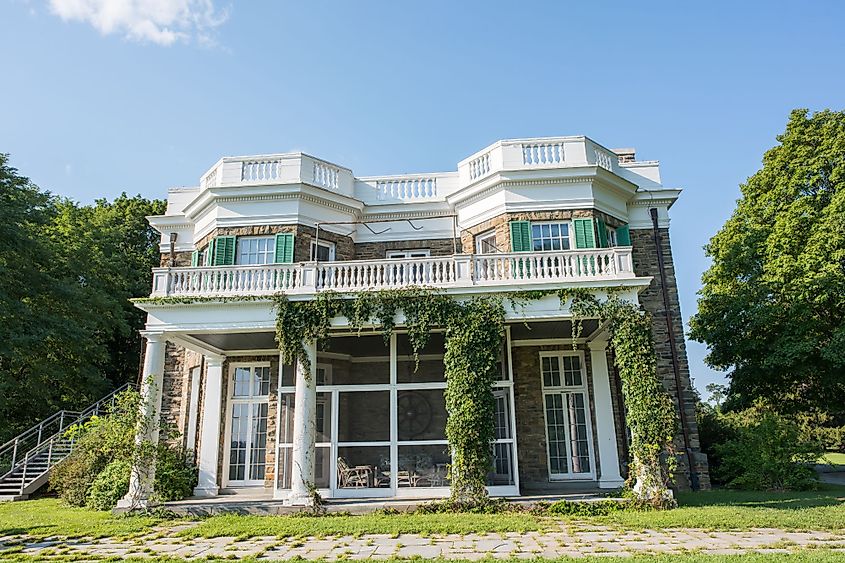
[611, 236]
[550, 236]
[418, 253]
[322, 251]
[485, 243]
[256, 250]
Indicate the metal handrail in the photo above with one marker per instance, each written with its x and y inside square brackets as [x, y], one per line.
[66, 419]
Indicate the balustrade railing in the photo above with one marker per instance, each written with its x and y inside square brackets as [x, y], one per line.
[407, 188]
[326, 175]
[460, 270]
[261, 170]
[542, 153]
[480, 166]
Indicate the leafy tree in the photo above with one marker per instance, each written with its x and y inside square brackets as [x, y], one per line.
[67, 330]
[772, 305]
[717, 394]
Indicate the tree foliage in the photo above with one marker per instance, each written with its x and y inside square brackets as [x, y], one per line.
[67, 330]
[772, 305]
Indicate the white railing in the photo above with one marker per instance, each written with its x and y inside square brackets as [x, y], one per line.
[480, 166]
[407, 188]
[326, 175]
[461, 270]
[261, 170]
[210, 179]
[603, 159]
[534, 154]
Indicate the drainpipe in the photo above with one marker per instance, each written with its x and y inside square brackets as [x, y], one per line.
[693, 476]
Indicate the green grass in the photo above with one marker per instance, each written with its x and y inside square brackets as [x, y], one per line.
[50, 517]
[733, 510]
[832, 458]
[331, 525]
[807, 556]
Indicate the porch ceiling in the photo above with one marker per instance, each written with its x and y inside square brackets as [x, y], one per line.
[240, 341]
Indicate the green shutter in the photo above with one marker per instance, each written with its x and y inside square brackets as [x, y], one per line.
[584, 234]
[195, 258]
[520, 236]
[209, 253]
[284, 248]
[602, 230]
[623, 236]
[224, 251]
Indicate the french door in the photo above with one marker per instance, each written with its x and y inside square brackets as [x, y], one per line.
[247, 433]
[566, 412]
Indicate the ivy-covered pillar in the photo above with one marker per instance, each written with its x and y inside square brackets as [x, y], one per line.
[605, 428]
[304, 429]
[143, 466]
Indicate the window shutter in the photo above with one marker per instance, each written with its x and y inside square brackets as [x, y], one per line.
[224, 251]
[284, 248]
[195, 258]
[209, 253]
[520, 236]
[584, 237]
[602, 230]
[623, 235]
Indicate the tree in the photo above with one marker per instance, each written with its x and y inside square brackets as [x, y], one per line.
[772, 305]
[67, 330]
[717, 394]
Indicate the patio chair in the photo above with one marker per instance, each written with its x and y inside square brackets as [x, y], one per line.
[352, 477]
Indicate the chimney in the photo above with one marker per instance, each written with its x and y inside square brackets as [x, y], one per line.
[626, 155]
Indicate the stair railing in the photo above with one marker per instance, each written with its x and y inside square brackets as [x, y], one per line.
[19, 451]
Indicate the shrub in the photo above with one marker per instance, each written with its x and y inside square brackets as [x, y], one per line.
[72, 478]
[713, 429]
[175, 476]
[110, 485]
[766, 452]
[592, 508]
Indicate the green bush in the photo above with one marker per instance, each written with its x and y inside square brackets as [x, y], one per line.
[110, 485]
[766, 451]
[175, 476]
[72, 478]
[713, 429]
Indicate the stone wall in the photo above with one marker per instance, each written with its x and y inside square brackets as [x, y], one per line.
[182, 259]
[646, 264]
[530, 419]
[176, 389]
[378, 250]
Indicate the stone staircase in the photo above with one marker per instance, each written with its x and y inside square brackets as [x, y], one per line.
[27, 459]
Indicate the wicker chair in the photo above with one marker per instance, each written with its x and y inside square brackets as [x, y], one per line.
[352, 477]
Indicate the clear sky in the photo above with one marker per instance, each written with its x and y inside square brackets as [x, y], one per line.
[100, 97]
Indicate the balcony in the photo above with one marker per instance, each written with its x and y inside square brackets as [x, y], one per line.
[520, 270]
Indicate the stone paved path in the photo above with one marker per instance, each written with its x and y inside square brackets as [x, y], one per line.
[571, 540]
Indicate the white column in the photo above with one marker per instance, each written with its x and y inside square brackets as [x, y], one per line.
[605, 426]
[210, 437]
[143, 470]
[304, 429]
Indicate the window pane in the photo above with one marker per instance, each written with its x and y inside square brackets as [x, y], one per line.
[501, 415]
[428, 370]
[421, 415]
[578, 432]
[502, 473]
[364, 416]
[258, 451]
[367, 361]
[572, 370]
[423, 466]
[360, 467]
[242, 381]
[556, 428]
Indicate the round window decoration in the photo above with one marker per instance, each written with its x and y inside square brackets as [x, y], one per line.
[413, 413]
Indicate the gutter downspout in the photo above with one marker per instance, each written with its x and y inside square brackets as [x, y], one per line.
[693, 476]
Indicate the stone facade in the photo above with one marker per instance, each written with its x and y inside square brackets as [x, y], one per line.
[378, 250]
[646, 264]
[176, 389]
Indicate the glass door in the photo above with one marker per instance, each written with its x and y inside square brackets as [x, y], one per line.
[247, 436]
[565, 406]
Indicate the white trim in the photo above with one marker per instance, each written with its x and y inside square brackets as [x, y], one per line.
[250, 400]
[564, 390]
[407, 253]
[325, 244]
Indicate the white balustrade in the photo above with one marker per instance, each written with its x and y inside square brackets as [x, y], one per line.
[604, 160]
[463, 270]
[326, 175]
[210, 179]
[534, 154]
[261, 170]
[480, 166]
[407, 188]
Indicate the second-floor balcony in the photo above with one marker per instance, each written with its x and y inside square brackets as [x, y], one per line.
[460, 271]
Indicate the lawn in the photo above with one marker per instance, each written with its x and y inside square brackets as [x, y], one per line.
[823, 509]
[832, 458]
[340, 525]
[50, 517]
[714, 510]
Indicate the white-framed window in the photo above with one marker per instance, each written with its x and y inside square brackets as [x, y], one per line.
[485, 243]
[322, 251]
[611, 236]
[551, 236]
[249, 391]
[416, 253]
[566, 410]
[256, 250]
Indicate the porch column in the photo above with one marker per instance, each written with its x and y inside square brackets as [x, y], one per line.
[304, 429]
[210, 437]
[605, 427]
[143, 473]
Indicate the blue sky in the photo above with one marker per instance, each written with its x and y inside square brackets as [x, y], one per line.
[97, 100]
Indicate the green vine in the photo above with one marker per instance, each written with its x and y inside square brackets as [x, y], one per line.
[650, 410]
